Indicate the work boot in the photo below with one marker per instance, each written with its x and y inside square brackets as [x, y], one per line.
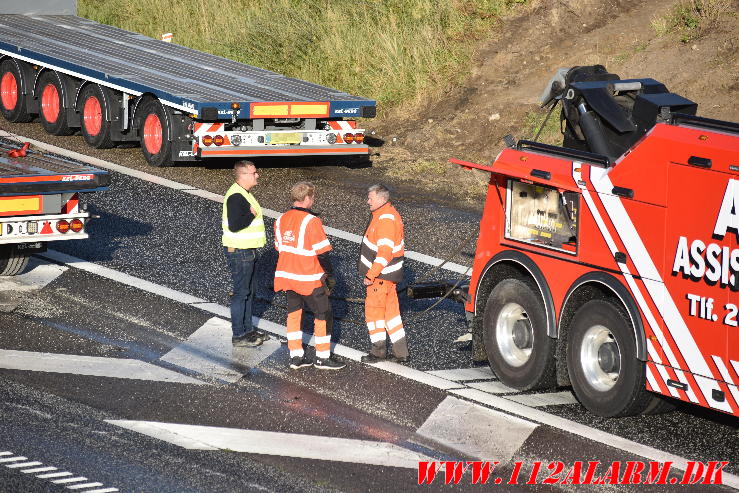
[299, 362]
[328, 364]
[250, 339]
[265, 336]
[371, 358]
[398, 359]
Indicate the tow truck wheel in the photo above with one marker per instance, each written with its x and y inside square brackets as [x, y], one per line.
[601, 359]
[12, 100]
[52, 112]
[154, 134]
[515, 333]
[95, 105]
[11, 261]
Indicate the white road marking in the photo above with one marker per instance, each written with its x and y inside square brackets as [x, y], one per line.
[104, 490]
[544, 399]
[208, 351]
[465, 374]
[90, 365]
[12, 459]
[477, 431]
[2, 454]
[141, 175]
[36, 276]
[39, 469]
[280, 444]
[85, 485]
[69, 480]
[492, 387]
[584, 431]
[23, 464]
[54, 475]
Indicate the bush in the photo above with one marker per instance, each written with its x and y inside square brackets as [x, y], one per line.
[691, 19]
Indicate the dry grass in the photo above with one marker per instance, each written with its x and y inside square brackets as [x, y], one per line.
[392, 51]
[693, 18]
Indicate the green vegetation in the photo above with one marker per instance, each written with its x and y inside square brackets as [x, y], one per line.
[691, 19]
[551, 133]
[393, 51]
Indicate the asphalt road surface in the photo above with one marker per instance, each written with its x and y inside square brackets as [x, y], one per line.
[84, 416]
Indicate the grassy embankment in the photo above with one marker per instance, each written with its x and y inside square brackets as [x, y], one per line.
[398, 52]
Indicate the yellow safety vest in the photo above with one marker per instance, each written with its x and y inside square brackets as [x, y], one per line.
[252, 236]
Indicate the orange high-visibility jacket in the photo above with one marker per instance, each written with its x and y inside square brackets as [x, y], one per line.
[299, 239]
[383, 246]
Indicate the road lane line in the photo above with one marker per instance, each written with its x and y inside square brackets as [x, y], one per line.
[23, 464]
[12, 459]
[3, 454]
[104, 490]
[90, 365]
[467, 428]
[208, 351]
[158, 180]
[280, 444]
[465, 374]
[54, 475]
[592, 434]
[492, 387]
[85, 485]
[544, 399]
[69, 480]
[39, 469]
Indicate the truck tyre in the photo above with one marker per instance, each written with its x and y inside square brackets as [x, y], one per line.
[11, 261]
[515, 333]
[606, 376]
[154, 134]
[95, 106]
[12, 99]
[52, 111]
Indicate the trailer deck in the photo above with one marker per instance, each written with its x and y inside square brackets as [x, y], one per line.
[183, 78]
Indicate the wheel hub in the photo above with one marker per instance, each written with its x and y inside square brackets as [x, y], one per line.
[514, 335]
[600, 358]
[608, 357]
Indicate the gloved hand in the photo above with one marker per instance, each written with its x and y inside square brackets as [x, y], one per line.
[330, 283]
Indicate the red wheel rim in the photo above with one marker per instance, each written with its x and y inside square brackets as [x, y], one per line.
[92, 115]
[9, 91]
[50, 103]
[153, 134]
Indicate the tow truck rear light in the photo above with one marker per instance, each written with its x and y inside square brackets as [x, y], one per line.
[348, 138]
[207, 140]
[218, 140]
[359, 138]
[62, 226]
[77, 225]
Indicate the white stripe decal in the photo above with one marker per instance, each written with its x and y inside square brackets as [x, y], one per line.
[398, 335]
[636, 292]
[392, 268]
[303, 227]
[321, 244]
[727, 377]
[379, 336]
[655, 286]
[387, 216]
[369, 244]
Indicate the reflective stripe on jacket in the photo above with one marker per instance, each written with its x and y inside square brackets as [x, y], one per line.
[383, 246]
[299, 239]
[252, 236]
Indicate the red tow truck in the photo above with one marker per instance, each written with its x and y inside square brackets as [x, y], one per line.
[611, 264]
[40, 202]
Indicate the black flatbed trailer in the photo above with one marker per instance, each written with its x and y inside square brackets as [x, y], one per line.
[76, 73]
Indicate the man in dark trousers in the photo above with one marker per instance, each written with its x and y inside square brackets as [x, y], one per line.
[243, 234]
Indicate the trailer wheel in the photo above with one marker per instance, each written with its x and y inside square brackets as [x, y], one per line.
[12, 262]
[154, 134]
[95, 105]
[515, 333]
[12, 100]
[52, 111]
[601, 359]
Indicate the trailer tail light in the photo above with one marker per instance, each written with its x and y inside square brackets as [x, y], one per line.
[77, 225]
[348, 138]
[359, 138]
[62, 226]
[218, 140]
[207, 140]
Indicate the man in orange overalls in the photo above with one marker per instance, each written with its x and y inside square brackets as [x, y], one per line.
[381, 264]
[305, 273]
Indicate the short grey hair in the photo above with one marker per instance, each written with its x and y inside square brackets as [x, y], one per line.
[381, 191]
[241, 167]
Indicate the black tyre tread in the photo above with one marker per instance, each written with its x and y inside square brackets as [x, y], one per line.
[103, 139]
[546, 378]
[658, 405]
[164, 157]
[60, 126]
[11, 262]
[20, 113]
[640, 398]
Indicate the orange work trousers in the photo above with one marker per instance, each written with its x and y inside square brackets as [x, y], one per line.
[382, 314]
[319, 303]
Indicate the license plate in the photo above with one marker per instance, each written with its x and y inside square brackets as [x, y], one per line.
[38, 246]
[285, 138]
